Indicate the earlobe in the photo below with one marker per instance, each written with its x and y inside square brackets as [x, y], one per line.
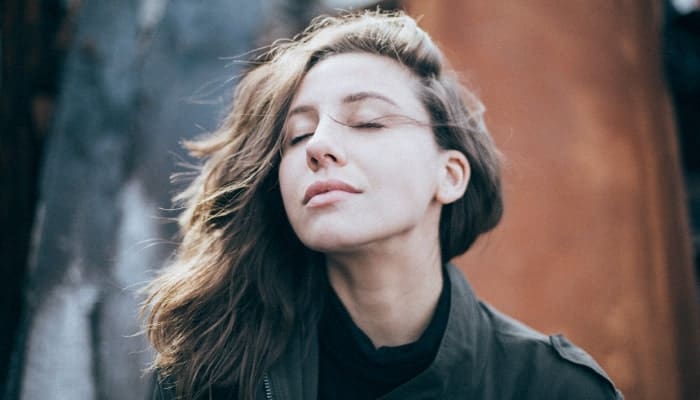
[454, 177]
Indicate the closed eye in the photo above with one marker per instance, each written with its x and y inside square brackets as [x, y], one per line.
[300, 138]
[367, 125]
[362, 125]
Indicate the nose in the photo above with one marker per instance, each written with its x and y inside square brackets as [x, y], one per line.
[325, 148]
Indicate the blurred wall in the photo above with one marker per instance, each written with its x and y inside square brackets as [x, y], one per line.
[139, 77]
[594, 242]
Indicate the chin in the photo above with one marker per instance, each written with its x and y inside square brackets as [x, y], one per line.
[329, 244]
[333, 241]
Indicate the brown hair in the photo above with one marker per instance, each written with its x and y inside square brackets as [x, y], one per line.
[241, 283]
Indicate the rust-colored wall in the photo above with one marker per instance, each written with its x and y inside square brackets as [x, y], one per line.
[594, 242]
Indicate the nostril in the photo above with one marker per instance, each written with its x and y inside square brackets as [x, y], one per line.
[322, 158]
[312, 162]
[323, 149]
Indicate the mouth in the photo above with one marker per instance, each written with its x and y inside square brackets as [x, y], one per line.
[327, 186]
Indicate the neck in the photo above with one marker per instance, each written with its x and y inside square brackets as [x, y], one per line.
[391, 296]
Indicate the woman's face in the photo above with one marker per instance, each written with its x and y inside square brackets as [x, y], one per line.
[360, 164]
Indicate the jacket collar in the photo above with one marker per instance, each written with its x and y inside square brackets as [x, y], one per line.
[463, 347]
[295, 374]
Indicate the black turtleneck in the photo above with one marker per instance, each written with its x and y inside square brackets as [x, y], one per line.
[351, 368]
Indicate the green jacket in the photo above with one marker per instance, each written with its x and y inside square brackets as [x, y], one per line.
[483, 355]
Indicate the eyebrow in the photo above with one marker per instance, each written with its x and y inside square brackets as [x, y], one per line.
[351, 98]
[359, 96]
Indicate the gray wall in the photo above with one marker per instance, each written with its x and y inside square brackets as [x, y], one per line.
[139, 77]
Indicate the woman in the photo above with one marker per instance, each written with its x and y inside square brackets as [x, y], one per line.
[317, 236]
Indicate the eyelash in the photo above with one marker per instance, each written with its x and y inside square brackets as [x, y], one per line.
[299, 138]
[368, 125]
[364, 125]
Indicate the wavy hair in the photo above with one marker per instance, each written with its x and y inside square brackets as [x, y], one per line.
[240, 283]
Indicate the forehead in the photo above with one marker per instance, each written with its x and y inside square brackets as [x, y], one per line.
[338, 76]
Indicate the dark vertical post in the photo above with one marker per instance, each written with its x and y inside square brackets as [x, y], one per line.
[31, 49]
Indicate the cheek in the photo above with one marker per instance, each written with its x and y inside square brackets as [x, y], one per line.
[290, 174]
[286, 181]
[415, 168]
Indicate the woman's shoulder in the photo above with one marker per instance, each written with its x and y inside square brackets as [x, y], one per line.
[163, 387]
[549, 366]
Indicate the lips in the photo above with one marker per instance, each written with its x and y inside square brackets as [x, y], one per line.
[326, 186]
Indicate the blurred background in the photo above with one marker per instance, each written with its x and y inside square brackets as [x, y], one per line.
[594, 103]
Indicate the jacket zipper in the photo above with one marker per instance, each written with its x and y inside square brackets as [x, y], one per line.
[268, 387]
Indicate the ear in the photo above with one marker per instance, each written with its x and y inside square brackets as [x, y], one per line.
[454, 177]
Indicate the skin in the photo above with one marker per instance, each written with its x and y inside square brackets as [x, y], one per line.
[356, 119]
